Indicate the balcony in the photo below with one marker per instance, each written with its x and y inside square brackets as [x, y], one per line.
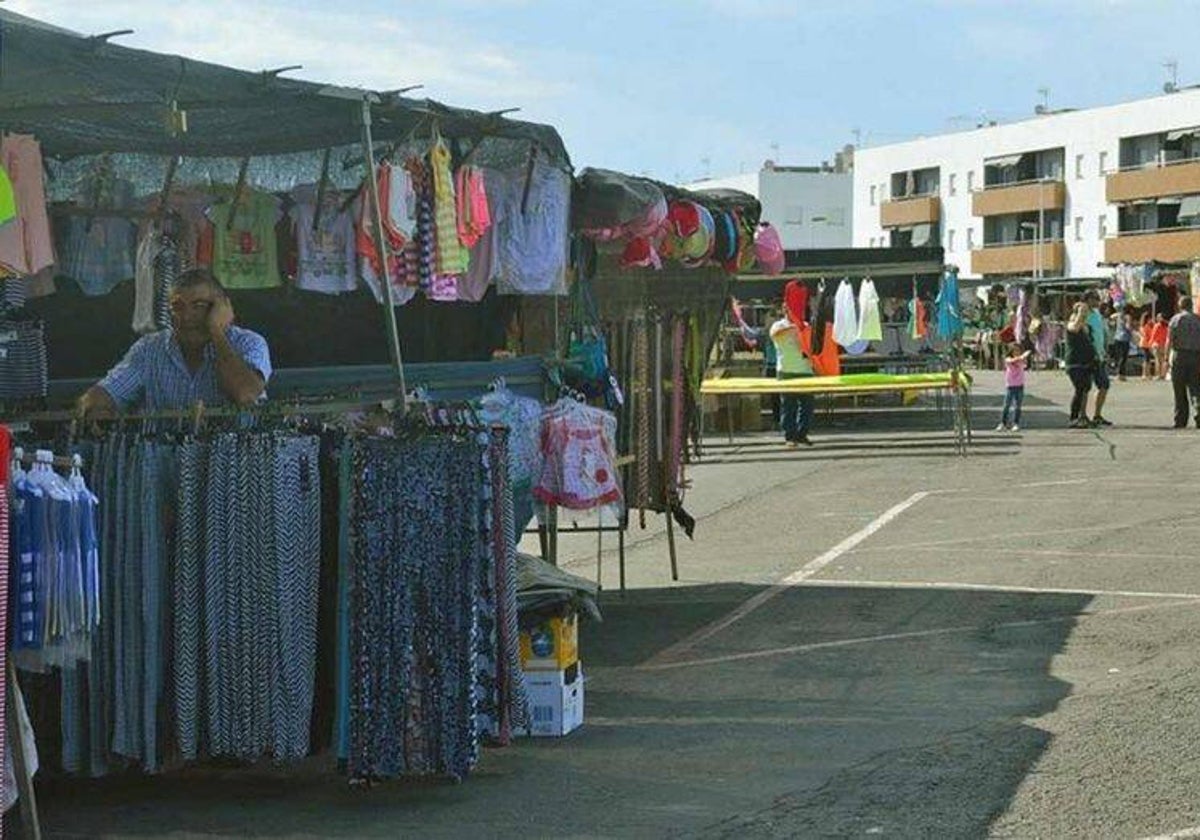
[913, 210]
[1180, 177]
[1028, 197]
[1164, 245]
[1018, 258]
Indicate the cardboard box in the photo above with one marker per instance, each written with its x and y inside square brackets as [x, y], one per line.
[551, 646]
[555, 701]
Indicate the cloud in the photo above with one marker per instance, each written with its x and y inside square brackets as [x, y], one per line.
[373, 50]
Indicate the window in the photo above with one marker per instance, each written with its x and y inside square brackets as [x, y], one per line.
[970, 180]
[795, 215]
[1079, 228]
[950, 240]
[1103, 158]
[1102, 226]
[1078, 166]
[970, 238]
[952, 185]
[872, 195]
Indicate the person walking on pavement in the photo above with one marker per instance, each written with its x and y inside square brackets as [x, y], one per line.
[1122, 336]
[796, 409]
[1098, 331]
[1184, 340]
[1080, 361]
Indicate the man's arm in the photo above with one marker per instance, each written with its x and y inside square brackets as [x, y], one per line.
[120, 388]
[238, 378]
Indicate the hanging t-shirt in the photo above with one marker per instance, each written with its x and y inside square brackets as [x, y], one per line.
[98, 252]
[532, 230]
[845, 319]
[451, 255]
[25, 242]
[869, 326]
[245, 253]
[325, 259]
[474, 216]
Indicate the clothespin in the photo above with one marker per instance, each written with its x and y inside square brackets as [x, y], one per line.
[238, 191]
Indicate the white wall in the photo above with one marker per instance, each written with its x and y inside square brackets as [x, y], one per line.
[1086, 133]
[792, 200]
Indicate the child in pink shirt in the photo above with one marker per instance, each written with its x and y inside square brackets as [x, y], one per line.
[1014, 381]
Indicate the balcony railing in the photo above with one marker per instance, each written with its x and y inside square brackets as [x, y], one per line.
[921, 209]
[1175, 244]
[1026, 197]
[1156, 180]
[1019, 257]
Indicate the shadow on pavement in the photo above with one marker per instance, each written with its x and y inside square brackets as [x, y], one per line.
[804, 724]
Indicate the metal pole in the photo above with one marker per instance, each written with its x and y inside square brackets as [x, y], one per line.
[381, 247]
[1038, 267]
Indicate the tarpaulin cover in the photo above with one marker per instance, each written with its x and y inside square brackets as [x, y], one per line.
[85, 96]
[603, 199]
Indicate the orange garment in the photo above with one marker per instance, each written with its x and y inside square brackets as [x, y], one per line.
[1158, 335]
[1145, 335]
[828, 362]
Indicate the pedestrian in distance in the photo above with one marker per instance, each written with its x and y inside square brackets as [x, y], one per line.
[1183, 336]
[1159, 338]
[1122, 337]
[1014, 387]
[796, 410]
[1097, 328]
[1146, 346]
[1080, 364]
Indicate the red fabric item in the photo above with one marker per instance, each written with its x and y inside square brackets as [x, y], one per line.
[684, 217]
[1008, 334]
[795, 300]
[640, 253]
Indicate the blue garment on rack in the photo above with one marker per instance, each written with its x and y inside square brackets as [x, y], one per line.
[949, 307]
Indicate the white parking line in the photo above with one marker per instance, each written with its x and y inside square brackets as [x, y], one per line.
[803, 573]
[988, 587]
[895, 637]
[1177, 835]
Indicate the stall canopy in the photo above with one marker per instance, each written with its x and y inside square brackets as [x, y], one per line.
[605, 199]
[84, 95]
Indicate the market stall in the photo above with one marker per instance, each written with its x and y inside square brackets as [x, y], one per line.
[361, 521]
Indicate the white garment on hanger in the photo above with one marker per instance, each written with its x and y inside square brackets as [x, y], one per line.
[869, 326]
[845, 319]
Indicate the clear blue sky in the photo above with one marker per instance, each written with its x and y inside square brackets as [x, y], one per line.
[660, 87]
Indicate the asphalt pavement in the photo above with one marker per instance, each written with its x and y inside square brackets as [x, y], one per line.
[873, 637]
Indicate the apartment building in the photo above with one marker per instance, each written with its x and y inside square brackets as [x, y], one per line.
[810, 206]
[1057, 195]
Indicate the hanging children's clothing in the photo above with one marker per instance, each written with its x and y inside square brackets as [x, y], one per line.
[845, 319]
[451, 254]
[532, 220]
[25, 241]
[325, 259]
[245, 248]
[399, 205]
[98, 251]
[869, 326]
[474, 217]
[579, 457]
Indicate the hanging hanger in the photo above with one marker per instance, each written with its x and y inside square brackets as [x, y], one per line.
[322, 186]
[238, 191]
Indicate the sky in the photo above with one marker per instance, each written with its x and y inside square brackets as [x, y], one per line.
[683, 89]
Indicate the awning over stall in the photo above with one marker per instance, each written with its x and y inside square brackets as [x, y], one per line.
[84, 95]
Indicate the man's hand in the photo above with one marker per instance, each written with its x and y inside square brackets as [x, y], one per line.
[220, 316]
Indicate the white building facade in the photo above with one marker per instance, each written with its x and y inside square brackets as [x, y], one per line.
[1058, 195]
[811, 207]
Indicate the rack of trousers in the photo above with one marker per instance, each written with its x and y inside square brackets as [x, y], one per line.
[278, 582]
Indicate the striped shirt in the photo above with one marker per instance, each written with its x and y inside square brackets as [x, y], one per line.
[1185, 332]
[154, 376]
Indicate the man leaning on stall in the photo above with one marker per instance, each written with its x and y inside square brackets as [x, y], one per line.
[202, 357]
